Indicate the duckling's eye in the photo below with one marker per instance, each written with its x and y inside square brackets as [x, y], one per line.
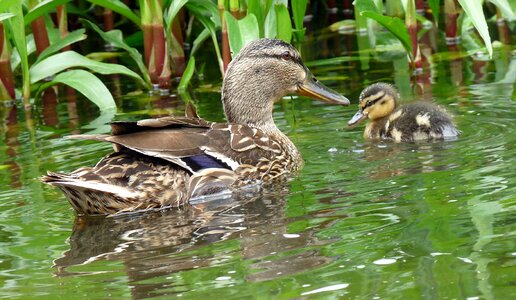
[286, 55]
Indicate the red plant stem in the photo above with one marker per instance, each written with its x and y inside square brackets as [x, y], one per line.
[40, 34]
[332, 11]
[158, 39]
[411, 23]
[6, 73]
[226, 52]
[420, 7]
[503, 29]
[49, 101]
[179, 58]
[108, 19]
[148, 49]
[450, 9]
[347, 9]
[162, 67]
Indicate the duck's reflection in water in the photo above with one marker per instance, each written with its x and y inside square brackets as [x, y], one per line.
[161, 243]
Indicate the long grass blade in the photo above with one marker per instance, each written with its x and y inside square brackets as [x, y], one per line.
[116, 39]
[72, 37]
[70, 59]
[474, 11]
[87, 84]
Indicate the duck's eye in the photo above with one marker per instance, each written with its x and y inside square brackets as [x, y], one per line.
[286, 55]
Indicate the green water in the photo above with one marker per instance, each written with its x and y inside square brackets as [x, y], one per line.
[364, 220]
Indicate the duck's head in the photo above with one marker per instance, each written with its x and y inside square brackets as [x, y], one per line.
[263, 72]
[376, 101]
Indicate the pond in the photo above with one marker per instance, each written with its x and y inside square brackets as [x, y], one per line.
[364, 220]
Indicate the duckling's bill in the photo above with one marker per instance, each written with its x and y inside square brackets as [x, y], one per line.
[316, 90]
[357, 118]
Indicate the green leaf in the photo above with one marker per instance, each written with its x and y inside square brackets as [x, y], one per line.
[260, 9]
[70, 59]
[205, 33]
[364, 5]
[87, 84]
[16, 26]
[505, 8]
[241, 32]
[298, 12]
[187, 76]
[394, 25]
[43, 8]
[70, 38]
[6, 16]
[434, 5]
[120, 8]
[210, 21]
[172, 11]
[284, 30]
[116, 39]
[473, 10]
[270, 26]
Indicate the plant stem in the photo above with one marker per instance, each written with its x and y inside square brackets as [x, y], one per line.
[39, 30]
[452, 14]
[155, 46]
[420, 7]
[347, 9]
[178, 53]
[503, 29]
[226, 53]
[243, 9]
[6, 73]
[234, 8]
[62, 23]
[411, 23]
[108, 19]
[394, 8]
[332, 11]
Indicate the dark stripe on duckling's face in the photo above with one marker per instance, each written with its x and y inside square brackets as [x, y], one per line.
[371, 100]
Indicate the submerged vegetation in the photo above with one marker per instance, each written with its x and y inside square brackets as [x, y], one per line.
[40, 40]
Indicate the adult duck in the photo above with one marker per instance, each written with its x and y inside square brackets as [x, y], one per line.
[407, 123]
[166, 162]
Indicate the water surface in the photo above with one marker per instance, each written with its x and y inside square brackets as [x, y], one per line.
[364, 220]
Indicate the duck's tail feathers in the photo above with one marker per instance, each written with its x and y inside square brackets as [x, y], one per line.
[91, 198]
[93, 137]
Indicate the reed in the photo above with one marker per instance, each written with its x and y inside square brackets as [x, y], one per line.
[6, 74]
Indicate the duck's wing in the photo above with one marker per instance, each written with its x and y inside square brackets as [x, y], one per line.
[191, 143]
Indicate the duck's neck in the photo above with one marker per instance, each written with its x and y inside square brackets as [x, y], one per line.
[250, 103]
[252, 114]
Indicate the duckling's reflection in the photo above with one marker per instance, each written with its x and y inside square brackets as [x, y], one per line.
[156, 244]
[398, 159]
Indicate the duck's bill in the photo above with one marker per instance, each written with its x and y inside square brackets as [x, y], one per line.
[357, 118]
[316, 90]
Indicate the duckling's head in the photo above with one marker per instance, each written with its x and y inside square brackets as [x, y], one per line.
[263, 72]
[376, 101]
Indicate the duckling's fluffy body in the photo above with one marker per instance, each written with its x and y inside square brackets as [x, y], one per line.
[408, 123]
[413, 122]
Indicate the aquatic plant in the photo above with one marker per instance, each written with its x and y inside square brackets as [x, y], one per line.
[49, 68]
[407, 32]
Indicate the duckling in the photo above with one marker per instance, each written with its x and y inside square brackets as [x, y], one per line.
[408, 123]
